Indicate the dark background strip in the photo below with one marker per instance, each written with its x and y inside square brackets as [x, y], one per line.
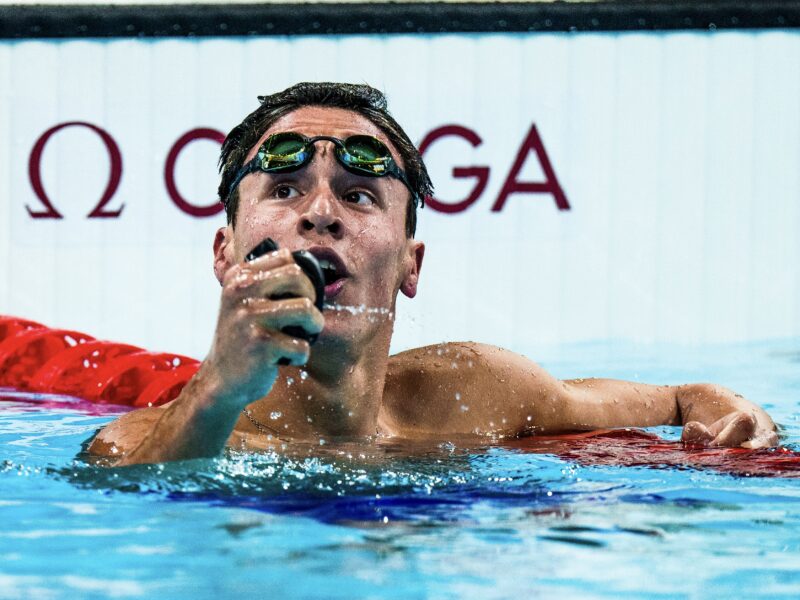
[105, 21]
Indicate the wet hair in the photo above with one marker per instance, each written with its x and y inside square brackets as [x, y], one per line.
[361, 99]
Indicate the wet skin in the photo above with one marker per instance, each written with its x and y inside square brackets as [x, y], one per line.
[347, 385]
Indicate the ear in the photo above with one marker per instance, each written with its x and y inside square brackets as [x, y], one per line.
[223, 252]
[413, 265]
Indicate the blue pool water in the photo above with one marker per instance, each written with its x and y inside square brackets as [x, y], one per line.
[454, 520]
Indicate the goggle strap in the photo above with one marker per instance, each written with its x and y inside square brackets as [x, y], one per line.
[250, 167]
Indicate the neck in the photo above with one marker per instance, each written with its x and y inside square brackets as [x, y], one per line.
[338, 393]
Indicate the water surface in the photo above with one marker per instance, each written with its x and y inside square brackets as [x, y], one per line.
[611, 517]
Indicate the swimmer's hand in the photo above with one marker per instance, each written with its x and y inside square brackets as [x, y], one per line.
[737, 429]
[715, 416]
[259, 299]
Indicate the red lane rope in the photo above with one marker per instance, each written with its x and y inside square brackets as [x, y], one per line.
[636, 448]
[36, 358]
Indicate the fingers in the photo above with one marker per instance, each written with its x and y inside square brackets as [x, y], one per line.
[277, 281]
[261, 298]
[277, 314]
[262, 263]
[736, 429]
[279, 348]
[695, 432]
[740, 428]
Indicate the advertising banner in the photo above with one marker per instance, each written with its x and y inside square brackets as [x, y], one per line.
[592, 186]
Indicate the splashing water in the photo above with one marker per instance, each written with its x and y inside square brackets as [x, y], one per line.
[362, 309]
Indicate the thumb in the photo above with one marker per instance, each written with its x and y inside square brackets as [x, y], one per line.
[740, 429]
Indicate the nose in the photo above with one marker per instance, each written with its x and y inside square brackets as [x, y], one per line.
[321, 216]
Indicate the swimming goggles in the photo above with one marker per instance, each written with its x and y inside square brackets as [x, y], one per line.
[359, 154]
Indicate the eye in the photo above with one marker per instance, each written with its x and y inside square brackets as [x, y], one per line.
[360, 198]
[285, 191]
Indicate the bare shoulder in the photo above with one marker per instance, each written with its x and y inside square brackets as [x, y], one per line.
[460, 360]
[125, 433]
[464, 386]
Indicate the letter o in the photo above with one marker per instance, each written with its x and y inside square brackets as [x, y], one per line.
[201, 133]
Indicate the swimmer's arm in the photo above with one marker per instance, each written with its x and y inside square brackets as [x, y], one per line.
[241, 367]
[197, 424]
[469, 387]
[710, 414]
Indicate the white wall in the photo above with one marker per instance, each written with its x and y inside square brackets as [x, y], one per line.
[678, 153]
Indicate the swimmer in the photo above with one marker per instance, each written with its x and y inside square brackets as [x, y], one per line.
[324, 168]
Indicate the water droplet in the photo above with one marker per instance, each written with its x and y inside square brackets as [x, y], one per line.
[464, 408]
[458, 395]
[530, 418]
[275, 414]
[304, 376]
[289, 381]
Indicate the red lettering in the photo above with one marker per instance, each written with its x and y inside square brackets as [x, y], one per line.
[201, 133]
[550, 185]
[481, 174]
[35, 174]
[512, 185]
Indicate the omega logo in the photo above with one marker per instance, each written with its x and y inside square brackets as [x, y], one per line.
[532, 143]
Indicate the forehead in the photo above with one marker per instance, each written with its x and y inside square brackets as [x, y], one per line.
[324, 120]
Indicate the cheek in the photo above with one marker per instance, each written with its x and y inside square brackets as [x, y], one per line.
[253, 225]
[382, 258]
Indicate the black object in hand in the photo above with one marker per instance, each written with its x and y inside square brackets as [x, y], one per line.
[306, 261]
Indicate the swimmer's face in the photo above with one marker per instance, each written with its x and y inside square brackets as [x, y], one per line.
[322, 207]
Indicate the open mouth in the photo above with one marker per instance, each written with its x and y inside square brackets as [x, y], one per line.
[330, 271]
[333, 270]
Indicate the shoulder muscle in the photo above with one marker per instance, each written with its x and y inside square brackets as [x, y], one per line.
[462, 387]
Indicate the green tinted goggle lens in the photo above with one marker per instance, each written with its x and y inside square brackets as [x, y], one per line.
[360, 154]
